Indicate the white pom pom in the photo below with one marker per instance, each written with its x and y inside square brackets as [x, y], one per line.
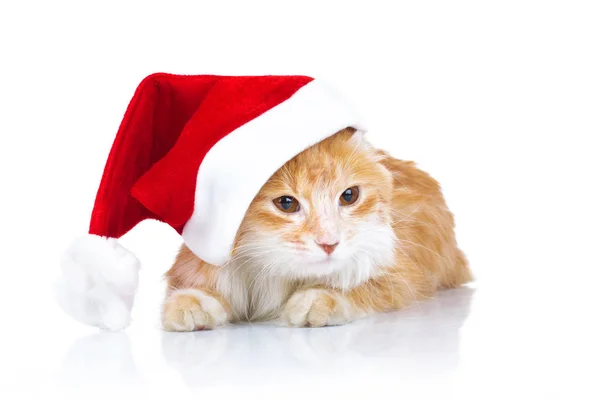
[98, 283]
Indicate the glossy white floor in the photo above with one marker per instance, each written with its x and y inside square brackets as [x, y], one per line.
[466, 343]
[423, 342]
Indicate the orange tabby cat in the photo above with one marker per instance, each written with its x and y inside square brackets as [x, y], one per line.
[340, 231]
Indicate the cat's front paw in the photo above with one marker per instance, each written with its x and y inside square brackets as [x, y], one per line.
[317, 307]
[189, 310]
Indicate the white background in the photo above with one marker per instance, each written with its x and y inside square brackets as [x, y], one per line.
[498, 100]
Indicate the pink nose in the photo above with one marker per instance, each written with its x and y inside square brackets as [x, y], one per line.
[327, 247]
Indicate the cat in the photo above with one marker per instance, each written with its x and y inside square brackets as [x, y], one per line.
[341, 231]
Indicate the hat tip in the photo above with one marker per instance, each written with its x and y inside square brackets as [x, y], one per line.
[98, 282]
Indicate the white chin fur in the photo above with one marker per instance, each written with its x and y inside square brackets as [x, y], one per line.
[98, 283]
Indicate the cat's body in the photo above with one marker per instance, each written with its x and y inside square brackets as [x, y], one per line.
[362, 233]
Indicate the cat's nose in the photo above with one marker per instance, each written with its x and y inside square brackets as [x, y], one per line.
[328, 247]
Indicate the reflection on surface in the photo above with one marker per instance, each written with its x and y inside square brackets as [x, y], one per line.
[99, 362]
[409, 342]
[421, 341]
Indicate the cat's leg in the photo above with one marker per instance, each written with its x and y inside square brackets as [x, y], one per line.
[195, 309]
[321, 306]
[192, 302]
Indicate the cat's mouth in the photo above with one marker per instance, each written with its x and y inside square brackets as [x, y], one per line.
[330, 261]
[323, 260]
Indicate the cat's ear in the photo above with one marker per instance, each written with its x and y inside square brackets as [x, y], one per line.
[359, 141]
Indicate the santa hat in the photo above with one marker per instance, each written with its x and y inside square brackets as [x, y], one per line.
[193, 152]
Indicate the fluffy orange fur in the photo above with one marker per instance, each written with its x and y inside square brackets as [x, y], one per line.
[396, 245]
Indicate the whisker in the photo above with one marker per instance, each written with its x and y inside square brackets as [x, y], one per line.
[399, 274]
[253, 257]
[424, 247]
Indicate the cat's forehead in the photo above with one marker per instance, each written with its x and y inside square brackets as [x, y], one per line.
[326, 168]
[326, 175]
[315, 171]
[324, 179]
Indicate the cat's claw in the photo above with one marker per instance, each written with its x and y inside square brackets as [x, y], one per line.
[189, 310]
[316, 307]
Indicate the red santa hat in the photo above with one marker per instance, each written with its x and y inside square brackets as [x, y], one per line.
[193, 152]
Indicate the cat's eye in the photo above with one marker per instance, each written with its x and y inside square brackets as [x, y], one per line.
[287, 204]
[349, 196]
